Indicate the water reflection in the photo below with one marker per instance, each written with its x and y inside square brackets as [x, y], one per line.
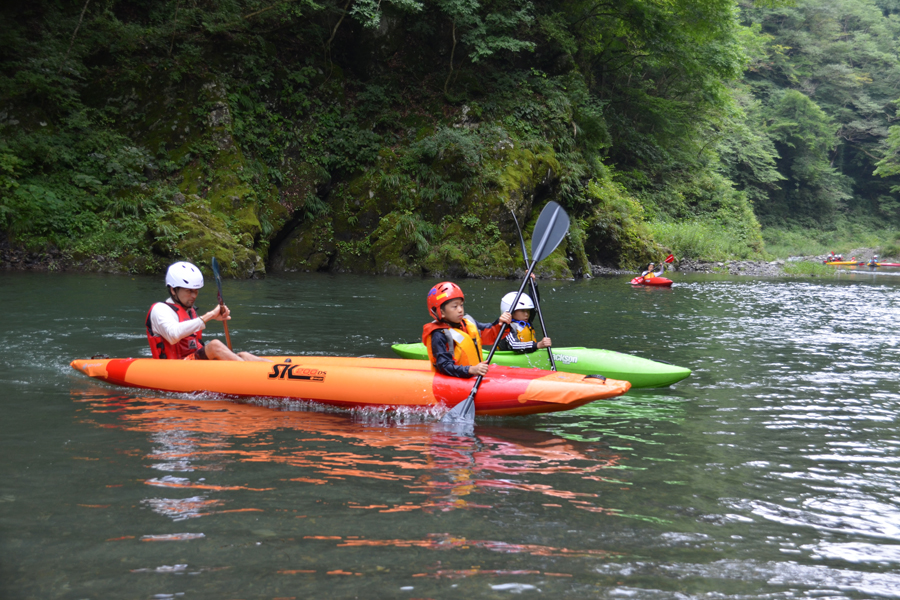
[439, 470]
[771, 472]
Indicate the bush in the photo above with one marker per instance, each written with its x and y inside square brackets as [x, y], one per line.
[846, 235]
[808, 269]
[704, 240]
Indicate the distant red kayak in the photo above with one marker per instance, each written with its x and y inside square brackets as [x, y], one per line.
[651, 281]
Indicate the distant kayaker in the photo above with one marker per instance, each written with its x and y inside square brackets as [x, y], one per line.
[521, 337]
[874, 262]
[831, 257]
[649, 271]
[173, 327]
[453, 339]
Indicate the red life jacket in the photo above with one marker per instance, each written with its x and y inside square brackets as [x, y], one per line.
[185, 346]
[489, 335]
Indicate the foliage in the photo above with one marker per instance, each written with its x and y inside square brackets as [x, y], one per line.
[826, 84]
[617, 232]
[844, 238]
[409, 121]
[805, 268]
[747, 152]
[700, 239]
[804, 135]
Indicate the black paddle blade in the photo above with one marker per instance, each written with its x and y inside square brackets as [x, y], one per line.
[218, 276]
[550, 229]
[464, 412]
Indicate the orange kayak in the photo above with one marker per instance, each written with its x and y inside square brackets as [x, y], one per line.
[348, 382]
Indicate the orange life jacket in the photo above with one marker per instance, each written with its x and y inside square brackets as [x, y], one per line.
[463, 342]
[525, 333]
[185, 346]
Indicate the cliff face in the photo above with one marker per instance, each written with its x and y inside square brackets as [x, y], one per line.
[383, 153]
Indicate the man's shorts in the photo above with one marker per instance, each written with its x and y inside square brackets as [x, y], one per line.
[198, 355]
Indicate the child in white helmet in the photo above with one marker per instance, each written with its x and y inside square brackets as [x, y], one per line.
[173, 326]
[521, 336]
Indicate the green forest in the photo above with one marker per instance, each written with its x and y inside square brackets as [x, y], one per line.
[401, 136]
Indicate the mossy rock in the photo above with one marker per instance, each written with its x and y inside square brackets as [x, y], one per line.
[522, 173]
[467, 250]
[212, 162]
[579, 263]
[193, 232]
[613, 232]
[301, 181]
[555, 266]
[311, 247]
[393, 247]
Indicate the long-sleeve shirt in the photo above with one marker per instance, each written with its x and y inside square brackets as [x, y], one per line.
[512, 342]
[443, 359]
[164, 323]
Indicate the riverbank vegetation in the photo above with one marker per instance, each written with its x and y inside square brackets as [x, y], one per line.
[399, 137]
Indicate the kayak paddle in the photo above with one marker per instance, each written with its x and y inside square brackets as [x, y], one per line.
[534, 293]
[215, 269]
[550, 229]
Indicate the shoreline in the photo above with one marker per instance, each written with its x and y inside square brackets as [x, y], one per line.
[755, 268]
[18, 260]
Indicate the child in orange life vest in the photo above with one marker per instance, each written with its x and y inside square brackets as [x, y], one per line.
[521, 337]
[453, 339]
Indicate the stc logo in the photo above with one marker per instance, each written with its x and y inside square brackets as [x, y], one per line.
[296, 372]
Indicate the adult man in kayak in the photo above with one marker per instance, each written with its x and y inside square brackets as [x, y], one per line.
[173, 327]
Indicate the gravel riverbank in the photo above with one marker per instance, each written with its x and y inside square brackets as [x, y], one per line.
[737, 267]
[753, 268]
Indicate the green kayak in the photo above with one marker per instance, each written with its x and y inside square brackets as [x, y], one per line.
[641, 372]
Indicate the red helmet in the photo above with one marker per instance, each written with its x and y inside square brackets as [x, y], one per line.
[441, 293]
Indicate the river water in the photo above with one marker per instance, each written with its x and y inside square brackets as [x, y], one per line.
[771, 472]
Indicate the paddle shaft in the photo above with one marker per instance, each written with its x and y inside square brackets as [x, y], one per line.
[215, 268]
[538, 252]
[537, 303]
[499, 336]
[464, 412]
[225, 323]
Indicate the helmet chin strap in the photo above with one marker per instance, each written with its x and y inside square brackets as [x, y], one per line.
[174, 296]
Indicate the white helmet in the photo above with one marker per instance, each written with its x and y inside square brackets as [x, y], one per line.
[524, 302]
[184, 275]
